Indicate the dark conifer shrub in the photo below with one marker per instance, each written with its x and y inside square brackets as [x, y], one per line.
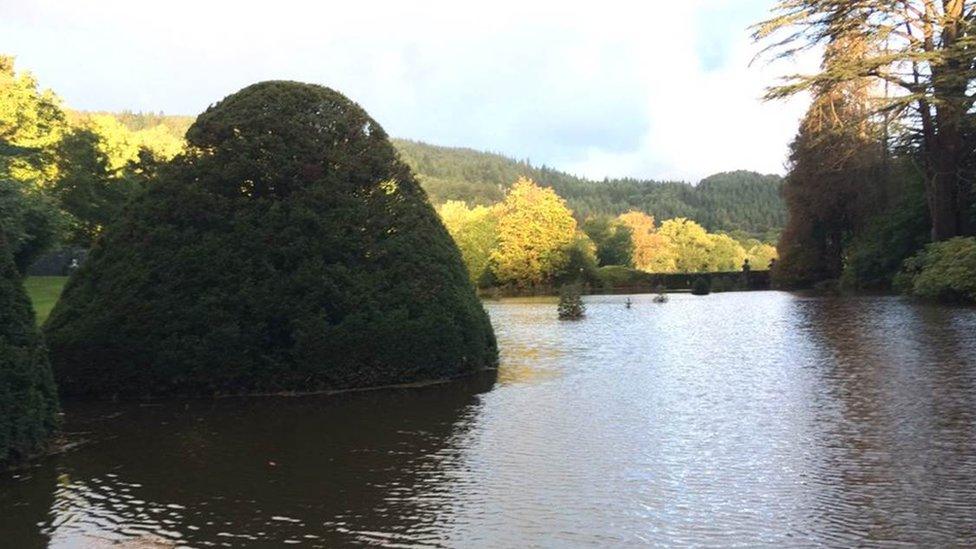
[288, 249]
[571, 306]
[701, 286]
[28, 399]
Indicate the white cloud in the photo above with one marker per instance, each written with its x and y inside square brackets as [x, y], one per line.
[656, 89]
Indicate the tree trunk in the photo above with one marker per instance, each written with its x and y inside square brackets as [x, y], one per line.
[942, 206]
[948, 202]
[946, 188]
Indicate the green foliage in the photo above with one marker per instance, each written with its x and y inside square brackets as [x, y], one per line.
[90, 188]
[875, 255]
[581, 263]
[31, 222]
[727, 201]
[530, 241]
[614, 276]
[725, 254]
[613, 240]
[943, 271]
[760, 254]
[28, 399]
[84, 164]
[31, 124]
[571, 306]
[923, 51]
[838, 179]
[288, 249]
[475, 232]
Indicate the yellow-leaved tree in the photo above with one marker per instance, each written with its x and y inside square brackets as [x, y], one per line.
[31, 124]
[689, 243]
[725, 254]
[535, 230]
[652, 252]
[760, 255]
[474, 232]
[120, 145]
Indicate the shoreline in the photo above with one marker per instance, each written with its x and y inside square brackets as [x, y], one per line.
[288, 394]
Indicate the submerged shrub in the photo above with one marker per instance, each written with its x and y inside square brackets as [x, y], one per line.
[287, 249]
[571, 305]
[701, 286]
[943, 271]
[28, 399]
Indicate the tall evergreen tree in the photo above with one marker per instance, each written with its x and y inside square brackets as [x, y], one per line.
[926, 49]
[835, 176]
[287, 249]
[613, 240]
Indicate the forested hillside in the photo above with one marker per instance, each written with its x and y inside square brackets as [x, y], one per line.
[741, 200]
[734, 201]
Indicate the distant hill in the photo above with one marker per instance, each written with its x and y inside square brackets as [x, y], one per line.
[137, 121]
[732, 201]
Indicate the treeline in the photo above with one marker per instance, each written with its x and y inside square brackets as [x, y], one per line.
[734, 201]
[880, 188]
[531, 239]
[64, 174]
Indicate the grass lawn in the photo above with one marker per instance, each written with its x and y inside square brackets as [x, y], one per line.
[44, 292]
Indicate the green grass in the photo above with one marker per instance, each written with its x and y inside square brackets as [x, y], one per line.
[44, 292]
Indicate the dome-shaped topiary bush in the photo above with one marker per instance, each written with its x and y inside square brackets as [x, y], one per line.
[287, 249]
[28, 399]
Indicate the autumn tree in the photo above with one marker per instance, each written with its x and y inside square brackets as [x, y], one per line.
[121, 145]
[761, 255]
[689, 245]
[31, 124]
[926, 51]
[836, 174]
[535, 228]
[651, 252]
[725, 253]
[474, 232]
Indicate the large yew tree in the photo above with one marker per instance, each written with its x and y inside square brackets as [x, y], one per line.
[288, 248]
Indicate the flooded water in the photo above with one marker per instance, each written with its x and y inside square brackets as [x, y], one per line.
[749, 418]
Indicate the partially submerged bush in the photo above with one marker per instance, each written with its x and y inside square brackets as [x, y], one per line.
[28, 399]
[571, 305]
[701, 286]
[288, 249]
[944, 271]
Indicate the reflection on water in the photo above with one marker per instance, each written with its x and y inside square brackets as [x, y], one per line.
[760, 418]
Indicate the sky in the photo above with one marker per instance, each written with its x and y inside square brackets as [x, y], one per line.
[655, 89]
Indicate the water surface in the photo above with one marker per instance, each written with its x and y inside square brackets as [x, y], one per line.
[743, 418]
